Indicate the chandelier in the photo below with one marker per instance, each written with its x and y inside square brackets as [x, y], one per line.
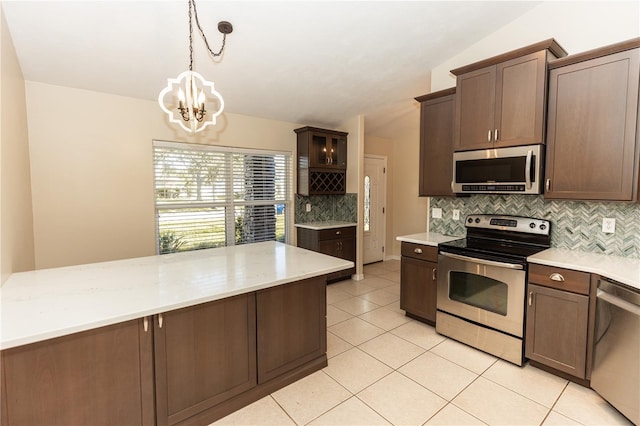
[189, 100]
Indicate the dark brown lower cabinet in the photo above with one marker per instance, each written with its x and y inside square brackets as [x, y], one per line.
[336, 242]
[557, 325]
[204, 355]
[188, 366]
[98, 377]
[292, 324]
[418, 285]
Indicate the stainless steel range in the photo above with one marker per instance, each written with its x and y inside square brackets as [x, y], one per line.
[482, 282]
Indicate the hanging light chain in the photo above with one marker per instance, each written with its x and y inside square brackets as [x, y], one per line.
[224, 34]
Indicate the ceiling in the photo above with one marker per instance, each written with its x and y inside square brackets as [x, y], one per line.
[315, 63]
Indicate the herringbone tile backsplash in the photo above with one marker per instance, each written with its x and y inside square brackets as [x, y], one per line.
[327, 207]
[576, 225]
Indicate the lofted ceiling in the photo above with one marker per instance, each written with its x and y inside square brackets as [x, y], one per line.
[316, 63]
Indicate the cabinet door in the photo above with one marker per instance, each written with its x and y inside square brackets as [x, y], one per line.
[328, 150]
[520, 100]
[592, 152]
[556, 329]
[292, 326]
[97, 377]
[437, 117]
[418, 288]
[205, 354]
[475, 105]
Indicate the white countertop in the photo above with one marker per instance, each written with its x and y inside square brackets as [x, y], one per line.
[318, 226]
[47, 303]
[621, 269]
[427, 238]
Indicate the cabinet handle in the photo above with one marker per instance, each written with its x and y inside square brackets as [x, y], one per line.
[489, 136]
[434, 274]
[547, 185]
[160, 320]
[338, 232]
[556, 277]
[530, 297]
[495, 135]
[417, 251]
[145, 322]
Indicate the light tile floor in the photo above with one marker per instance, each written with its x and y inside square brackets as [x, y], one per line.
[385, 368]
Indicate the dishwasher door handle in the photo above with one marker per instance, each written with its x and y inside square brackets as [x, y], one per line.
[616, 301]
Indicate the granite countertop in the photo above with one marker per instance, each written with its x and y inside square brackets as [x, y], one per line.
[427, 238]
[621, 269]
[318, 226]
[48, 303]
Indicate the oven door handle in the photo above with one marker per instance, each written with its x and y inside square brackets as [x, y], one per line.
[483, 261]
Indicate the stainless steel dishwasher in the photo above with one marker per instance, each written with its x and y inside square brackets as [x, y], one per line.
[616, 363]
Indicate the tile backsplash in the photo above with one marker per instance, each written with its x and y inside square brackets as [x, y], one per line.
[576, 225]
[327, 207]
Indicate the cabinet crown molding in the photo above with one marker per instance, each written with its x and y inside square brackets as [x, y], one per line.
[595, 53]
[550, 44]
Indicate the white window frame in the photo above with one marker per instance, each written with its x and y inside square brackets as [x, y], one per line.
[229, 204]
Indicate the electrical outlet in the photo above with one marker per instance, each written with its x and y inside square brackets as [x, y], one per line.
[456, 214]
[608, 225]
[436, 213]
[307, 207]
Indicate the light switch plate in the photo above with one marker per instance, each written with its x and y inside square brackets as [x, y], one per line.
[436, 213]
[608, 225]
[456, 214]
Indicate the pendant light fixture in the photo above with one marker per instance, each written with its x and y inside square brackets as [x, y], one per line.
[189, 100]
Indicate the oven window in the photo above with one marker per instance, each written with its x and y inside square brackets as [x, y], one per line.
[479, 291]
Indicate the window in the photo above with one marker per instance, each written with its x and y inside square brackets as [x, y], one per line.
[367, 203]
[207, 196]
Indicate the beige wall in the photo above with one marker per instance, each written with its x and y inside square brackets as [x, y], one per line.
[92, 171]
[355, 176]
[16, 218]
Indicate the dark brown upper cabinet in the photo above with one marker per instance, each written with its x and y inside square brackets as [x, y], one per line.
[501, 100]
[437, 119]
[322, 161]
[593, 144]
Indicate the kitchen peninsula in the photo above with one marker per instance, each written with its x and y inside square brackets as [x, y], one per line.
[171, 339]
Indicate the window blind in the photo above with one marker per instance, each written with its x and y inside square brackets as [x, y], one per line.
[207, 196]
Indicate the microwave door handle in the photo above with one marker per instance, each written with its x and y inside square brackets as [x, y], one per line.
[527, 169]
[483, 261]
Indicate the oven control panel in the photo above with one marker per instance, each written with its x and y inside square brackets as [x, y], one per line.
[509, 223]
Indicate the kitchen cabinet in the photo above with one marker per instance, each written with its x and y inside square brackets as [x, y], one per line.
[337, 242]
[418, 283]
[98, 377]
[593, 145]
[292, 326]
[322, 161]
[559, 320]
[186, 366]
[204, 355]
[501, 101]
[437, 118]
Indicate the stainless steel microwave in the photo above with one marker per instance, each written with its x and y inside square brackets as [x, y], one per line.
[513, 170]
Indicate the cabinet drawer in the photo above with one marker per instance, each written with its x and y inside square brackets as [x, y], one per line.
[419, 251]
[333, 233]
[562, 279]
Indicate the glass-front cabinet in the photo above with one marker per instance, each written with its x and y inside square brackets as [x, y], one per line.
[322, 161]
[328, 150]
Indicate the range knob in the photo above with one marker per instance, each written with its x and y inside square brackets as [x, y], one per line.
[469, 220]
[532, 225]
[477, 220]
[543, 226]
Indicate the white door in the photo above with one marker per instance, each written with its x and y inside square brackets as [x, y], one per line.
[375, 194]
